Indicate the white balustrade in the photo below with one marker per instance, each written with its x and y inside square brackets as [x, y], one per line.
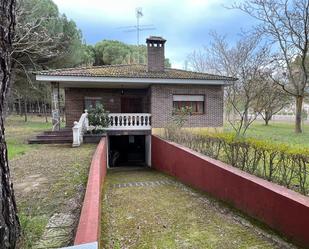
[117, 121]
[129, 121]
[79, 128]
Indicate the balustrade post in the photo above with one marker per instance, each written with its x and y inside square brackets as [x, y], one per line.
[136, 121]
[76, 136]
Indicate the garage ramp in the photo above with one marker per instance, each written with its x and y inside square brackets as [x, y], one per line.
[143, 208]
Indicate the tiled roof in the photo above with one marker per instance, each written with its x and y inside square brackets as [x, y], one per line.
[132, 71]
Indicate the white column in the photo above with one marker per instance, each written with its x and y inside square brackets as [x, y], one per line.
[148, 150]
[55, 106]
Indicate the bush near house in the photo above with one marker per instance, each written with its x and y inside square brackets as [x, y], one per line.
[98, 119]
[278, 163]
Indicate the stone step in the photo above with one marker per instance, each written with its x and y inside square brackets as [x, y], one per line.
[57, 140]
[52, 136]
[64, 132]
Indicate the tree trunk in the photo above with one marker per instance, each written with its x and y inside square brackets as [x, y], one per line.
[45, 113]
[38, 107]
[25, 109]
[246, 118]
[9, 223]
[267, 117]
[298, 116]
[19, 107]
[63, 115]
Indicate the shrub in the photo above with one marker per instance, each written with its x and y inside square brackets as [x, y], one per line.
[277, 163]
[180, 117]
[98, 117]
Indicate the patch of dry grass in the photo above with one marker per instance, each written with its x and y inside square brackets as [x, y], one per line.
[47, 179]
[170, 216]
[50, 179]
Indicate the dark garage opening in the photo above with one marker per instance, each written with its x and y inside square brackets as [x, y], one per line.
[127, 150]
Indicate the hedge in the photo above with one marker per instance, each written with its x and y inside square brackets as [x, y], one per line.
[276, 163]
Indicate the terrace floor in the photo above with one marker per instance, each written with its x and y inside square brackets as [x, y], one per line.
[143, 208]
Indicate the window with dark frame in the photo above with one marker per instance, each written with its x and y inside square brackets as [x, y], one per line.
[92, 102]
[195, 102]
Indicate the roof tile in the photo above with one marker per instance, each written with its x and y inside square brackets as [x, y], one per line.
[132, 71]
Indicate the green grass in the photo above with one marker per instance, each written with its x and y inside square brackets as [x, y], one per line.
[18, 131]
[171, 216]
[32, 227]
[278, 132]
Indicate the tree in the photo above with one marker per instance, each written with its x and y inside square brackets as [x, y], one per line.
[43, 39]
[9, 223]
[272, 101]
[167, 63]
[109, 52]
[87, 56]
[286, 25]
[198, 61]
[246, 61]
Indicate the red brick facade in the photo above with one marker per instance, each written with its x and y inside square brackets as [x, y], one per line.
[111, 100]
[157, 99]
[162, 104]
[155, 54]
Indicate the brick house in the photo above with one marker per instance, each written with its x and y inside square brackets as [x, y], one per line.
[138, 97]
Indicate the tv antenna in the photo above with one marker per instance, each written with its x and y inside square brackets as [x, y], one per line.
[138, 28]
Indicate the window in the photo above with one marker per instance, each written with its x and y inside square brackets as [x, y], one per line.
[194, 102]
[92, 102]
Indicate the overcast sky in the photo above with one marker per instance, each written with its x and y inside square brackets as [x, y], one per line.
[185, 24]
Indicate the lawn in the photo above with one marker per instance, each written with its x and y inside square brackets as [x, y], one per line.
[147, 209]
[49, 183]
[278, 132]
[18, 131]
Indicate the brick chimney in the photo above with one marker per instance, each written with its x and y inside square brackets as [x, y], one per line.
[155, 53]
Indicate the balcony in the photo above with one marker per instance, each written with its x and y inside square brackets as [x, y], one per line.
[129, 121]
[117, 122]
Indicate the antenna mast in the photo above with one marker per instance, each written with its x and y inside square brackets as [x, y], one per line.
[139, 14]
[138, 28]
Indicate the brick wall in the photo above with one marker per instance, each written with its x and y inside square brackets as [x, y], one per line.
[162, 105]
[155, 58]
[111, 100]
[158, 100]
[278, 207]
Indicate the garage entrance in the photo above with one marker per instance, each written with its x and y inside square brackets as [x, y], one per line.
[127, 150]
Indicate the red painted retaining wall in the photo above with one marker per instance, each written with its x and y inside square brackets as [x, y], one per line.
[282, 209]
[88, 229]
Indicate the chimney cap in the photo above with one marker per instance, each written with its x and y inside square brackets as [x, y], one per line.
[157, 39]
